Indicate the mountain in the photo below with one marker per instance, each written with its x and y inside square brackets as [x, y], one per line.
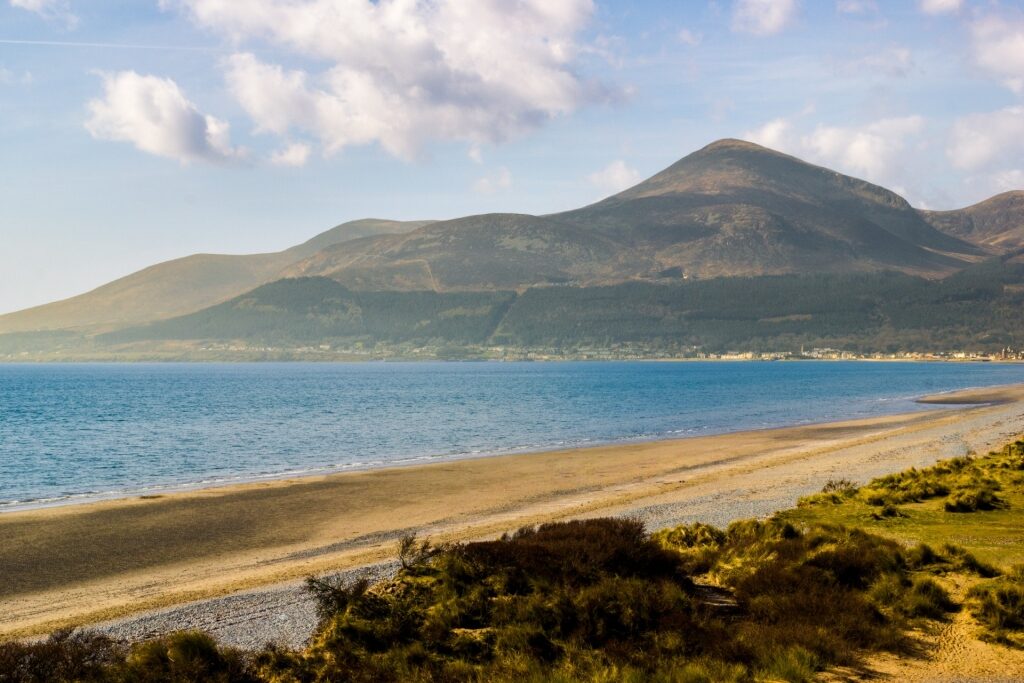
[996, 223]
[491, 251]
[184, 285]
[732, 208]
[736, 208]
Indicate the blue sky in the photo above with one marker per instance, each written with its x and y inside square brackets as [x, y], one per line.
[133, 131]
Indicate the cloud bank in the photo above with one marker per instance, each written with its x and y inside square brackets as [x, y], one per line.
[402, 73]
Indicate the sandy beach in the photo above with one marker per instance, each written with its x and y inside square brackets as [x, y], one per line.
[114, 560]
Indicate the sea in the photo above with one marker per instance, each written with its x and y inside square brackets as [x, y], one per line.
[77, 432]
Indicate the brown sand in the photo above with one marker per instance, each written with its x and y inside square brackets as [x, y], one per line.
[84, 563]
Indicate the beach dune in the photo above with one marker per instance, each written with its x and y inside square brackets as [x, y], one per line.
[80, 564]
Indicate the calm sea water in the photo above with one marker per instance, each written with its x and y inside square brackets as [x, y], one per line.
[80, 431]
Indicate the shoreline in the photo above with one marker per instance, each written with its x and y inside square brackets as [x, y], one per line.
[93, 562]
[259, 358]
[955, 397]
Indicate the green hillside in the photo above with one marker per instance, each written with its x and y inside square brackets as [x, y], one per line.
[977, 309]
[314, 310]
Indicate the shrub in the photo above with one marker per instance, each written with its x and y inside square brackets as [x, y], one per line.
[64, 657]
[413, 554]
[927, 599]
[966, 562]
[923, 555]
[332, 594]
[697, 544]
[889, 511]
[794, 664]
[185, 656]
[998, 605]
[843, 487]
[973, 501]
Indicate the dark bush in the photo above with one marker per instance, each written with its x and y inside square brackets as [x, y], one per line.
[843, 487]
[998, 605]
[927, 599]
[185, 657]
[973, 501]
[333, 594]
[65, 656]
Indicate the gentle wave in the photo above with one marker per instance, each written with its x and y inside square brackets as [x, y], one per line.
[71, 433]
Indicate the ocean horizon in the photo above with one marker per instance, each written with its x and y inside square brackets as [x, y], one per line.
[78, 432]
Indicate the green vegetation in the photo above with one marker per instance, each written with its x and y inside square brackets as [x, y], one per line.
[588, 600]
[316, 310]
[980, 309]
[967, 484]
[826, 584]
[998, 605]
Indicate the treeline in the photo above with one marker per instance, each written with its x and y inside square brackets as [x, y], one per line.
[977, 309]
[316, 310]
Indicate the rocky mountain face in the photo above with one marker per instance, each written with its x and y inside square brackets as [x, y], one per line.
[732, 208]
[996, 223]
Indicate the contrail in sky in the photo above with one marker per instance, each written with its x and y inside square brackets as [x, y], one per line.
[120, 46]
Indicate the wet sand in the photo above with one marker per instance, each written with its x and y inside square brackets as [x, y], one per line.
[93, 562]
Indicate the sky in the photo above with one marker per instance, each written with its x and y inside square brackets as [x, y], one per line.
[135, 131]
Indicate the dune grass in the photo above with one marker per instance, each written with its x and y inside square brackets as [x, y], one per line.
[930, 506]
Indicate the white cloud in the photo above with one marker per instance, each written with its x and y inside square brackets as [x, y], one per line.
[295, 154]
[57, 10]
[998, 45]
[763, 17]
[940, 6]
[154, 115]
[615, 177]
[856, 6]
[688, 37]
[872, 151]
[775, 135]
[404, 72]
[501, 180]
[988, 140]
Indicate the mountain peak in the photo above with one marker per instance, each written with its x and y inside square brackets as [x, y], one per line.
[734, 143]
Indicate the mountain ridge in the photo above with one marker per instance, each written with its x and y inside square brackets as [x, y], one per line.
[732, 208]
[182, 285]
[996, 222]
